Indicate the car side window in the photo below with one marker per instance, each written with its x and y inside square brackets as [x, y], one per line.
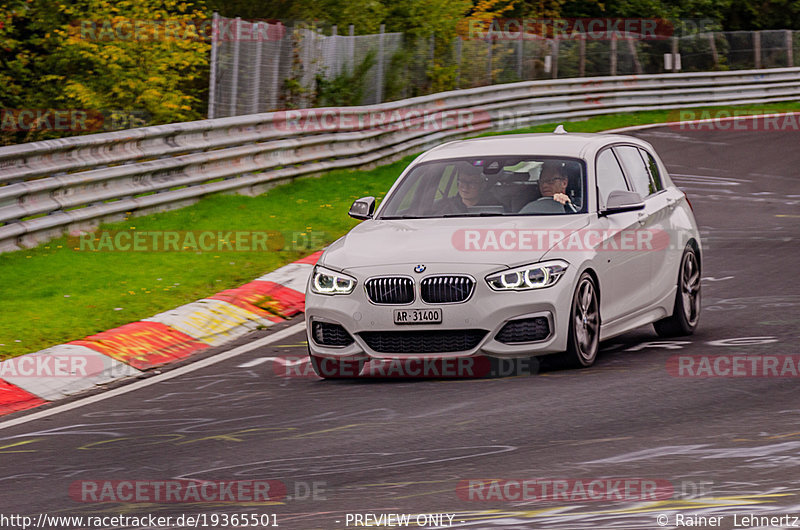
[609, 176]
[652, 168]
[636, 170]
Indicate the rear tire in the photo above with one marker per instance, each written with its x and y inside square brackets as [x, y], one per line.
[686, 314]
[583, 340]
[334, 368]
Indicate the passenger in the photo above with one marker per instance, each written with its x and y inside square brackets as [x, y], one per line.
[473, 190]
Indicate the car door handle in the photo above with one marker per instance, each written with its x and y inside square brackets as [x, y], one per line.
[641, 218]
[672, 203]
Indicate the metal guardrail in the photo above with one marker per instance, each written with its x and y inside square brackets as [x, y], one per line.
[72, 184]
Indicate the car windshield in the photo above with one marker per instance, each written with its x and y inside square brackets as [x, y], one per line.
[489, 186]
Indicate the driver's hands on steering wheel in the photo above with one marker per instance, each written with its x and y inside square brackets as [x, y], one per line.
[561, 198]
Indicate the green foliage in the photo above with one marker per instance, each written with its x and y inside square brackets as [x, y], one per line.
[90, 55]
[347, 88]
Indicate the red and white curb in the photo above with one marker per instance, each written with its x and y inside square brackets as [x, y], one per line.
[66, 369]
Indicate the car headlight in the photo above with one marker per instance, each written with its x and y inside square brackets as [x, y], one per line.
[326, 281]
[535, 276]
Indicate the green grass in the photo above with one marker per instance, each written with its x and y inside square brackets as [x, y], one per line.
[53, 293]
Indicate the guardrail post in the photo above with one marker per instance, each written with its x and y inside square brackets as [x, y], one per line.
[212, 80]
[235, 81]
[757, 49]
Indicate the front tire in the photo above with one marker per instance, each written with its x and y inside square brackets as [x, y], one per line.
[584, 326]
[686, 314]
[334, 368]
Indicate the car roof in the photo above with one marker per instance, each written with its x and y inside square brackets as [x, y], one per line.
[551, 144]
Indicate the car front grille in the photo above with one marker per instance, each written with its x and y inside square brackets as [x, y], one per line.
[390, 290]
[425, 341]
[446, 289]
[524, 330]
[327, 334]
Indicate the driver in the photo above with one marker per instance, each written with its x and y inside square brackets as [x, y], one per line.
[553, 182]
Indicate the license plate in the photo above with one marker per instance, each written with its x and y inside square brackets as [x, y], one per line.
[417, 316]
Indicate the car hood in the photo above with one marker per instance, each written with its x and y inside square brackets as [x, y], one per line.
[424, 241]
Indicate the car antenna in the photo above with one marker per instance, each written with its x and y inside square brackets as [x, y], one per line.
[560, 130]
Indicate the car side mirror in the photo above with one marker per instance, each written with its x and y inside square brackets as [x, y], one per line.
[623, 201]
[362, 208]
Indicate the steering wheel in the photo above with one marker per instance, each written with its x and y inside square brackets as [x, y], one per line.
[568, 206]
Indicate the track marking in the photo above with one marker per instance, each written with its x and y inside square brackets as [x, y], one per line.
[280, 335]
[280, 360]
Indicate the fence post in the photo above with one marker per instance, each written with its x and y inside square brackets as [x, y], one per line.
[582, 56]
[674, 53]
[555, 55]
[351, 30]
[636, 63]
[757, 49]
[613, 54]
[712, 42]
[335, 56]
[235, 81]
[276, 63]
[379, 65]
[489, 59]
[519, 57]
[458, 60]
[789, 49]
[257, 69]
[212, 80]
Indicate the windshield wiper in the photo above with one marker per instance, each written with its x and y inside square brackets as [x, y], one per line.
[404, 217]
[476, 214]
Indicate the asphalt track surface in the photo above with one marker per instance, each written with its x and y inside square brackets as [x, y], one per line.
[726, 446]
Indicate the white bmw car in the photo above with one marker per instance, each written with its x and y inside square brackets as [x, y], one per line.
[509, 247]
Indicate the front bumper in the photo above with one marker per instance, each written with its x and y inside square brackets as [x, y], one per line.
[485, 310]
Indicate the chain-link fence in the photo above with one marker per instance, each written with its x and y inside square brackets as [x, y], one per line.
[259, 67]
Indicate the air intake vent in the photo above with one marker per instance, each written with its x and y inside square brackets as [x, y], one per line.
[390, 290]
[524, 330]
[438, 341]
[327, 334]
